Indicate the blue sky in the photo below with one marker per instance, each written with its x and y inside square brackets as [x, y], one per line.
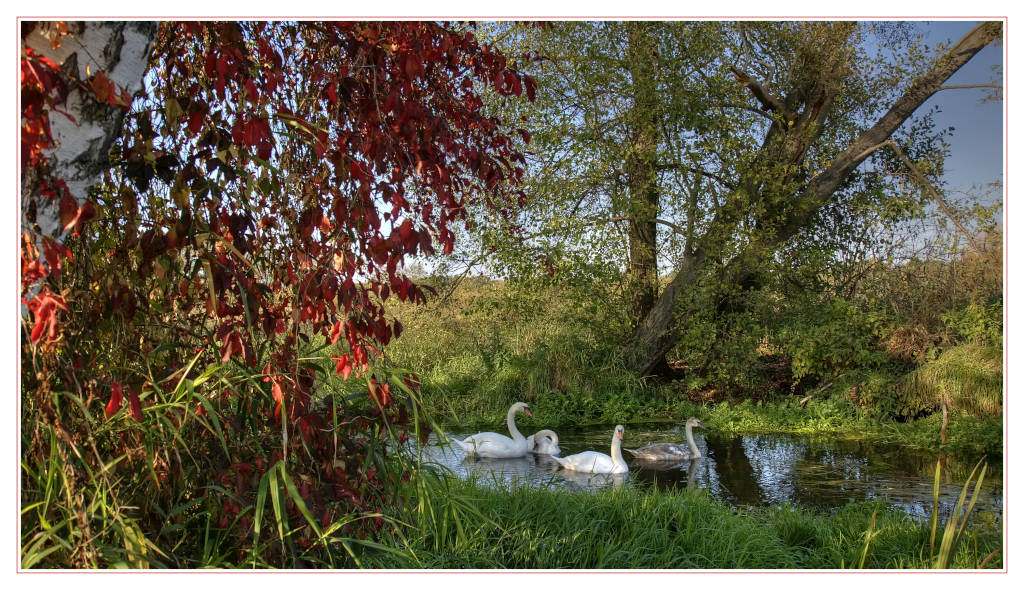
[976, 156]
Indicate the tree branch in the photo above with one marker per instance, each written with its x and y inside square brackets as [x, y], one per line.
[827, 182]
[770, 103]
[920, 178]
[960, 86]
[732, 105]
[700, 171]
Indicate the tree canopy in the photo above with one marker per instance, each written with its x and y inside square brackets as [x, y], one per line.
[702, 150]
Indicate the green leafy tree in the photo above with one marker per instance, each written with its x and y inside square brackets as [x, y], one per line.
[703, 152]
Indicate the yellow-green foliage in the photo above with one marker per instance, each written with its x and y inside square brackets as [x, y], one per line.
[970, 375]
[486, 344]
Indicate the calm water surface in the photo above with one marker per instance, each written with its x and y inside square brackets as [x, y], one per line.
[751, 470]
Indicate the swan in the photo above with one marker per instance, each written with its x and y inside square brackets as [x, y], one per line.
[671, 451]
[544, 442]
[594, 462]
[499, 446]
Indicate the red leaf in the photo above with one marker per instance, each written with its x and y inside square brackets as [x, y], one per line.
[72, 215]
[195, 122]
[253, 94]
[44, 307]
[134, 404]
[101, 86]
[116, 397]
[68, 211]
[380, 394]
[531, 88]
[336, 332]
[210, 64]
[344, 366]
[231, 343]
[54, 252]
[277, 392]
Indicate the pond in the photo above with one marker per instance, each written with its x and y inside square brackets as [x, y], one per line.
[751, 470]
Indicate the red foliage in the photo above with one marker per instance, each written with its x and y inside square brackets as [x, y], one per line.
[298, 163]
[116, 397]
[44, 308]
[44, 90]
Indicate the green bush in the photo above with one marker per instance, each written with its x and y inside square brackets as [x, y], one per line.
[828, 339]
[978, 322]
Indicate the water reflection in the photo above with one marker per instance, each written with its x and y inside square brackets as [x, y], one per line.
[751, 470]
[529, 470]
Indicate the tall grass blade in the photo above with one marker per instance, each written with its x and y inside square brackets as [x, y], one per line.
[935, 506]
[989, 557]
[957, 520]
[275, 499]
[261, 502]
[867, 540]
[974, 499]
[216, 422]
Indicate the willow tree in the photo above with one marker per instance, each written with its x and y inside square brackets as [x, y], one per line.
[700, 151]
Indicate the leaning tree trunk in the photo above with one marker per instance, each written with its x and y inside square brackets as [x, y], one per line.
[81, 151]
[661, 329]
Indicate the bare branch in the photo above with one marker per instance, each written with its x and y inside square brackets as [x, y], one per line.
[867, 152]
[959, 86]
[732, 105]
[920, 178]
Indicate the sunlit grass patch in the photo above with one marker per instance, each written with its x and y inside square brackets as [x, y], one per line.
[969, 375]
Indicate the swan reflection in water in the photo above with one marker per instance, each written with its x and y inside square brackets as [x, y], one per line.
[515, 469]
[664, 473]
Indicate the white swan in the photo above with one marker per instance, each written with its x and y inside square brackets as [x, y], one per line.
[499, 446]
[544, 442]
[594, 462]
[671, 451]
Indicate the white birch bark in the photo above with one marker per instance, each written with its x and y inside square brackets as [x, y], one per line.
[80, 155]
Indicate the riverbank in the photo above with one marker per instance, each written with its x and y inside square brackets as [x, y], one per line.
[831, 416]
[462, 524]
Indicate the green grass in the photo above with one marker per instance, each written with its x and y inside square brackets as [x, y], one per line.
[630, 528]
[969, 375]
[836, 416]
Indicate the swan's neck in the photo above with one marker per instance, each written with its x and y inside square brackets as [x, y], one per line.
[617, 451]
[512, 426]
[694, 452]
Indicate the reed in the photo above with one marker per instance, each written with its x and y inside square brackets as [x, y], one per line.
[956, 524]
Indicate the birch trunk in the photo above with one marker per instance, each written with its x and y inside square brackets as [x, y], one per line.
[81, 152]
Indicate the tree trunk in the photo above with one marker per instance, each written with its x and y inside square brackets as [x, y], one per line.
[641, 174]
[661, 329]
[81, 152]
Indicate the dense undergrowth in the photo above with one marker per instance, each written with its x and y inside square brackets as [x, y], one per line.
[475, 357]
